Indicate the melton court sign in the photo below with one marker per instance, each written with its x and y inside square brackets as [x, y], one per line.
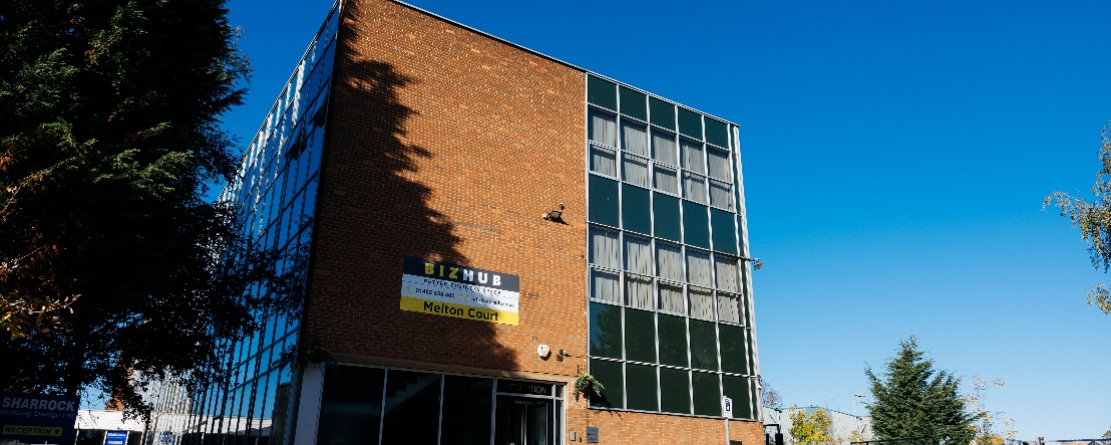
[37, 416]
[456, 291]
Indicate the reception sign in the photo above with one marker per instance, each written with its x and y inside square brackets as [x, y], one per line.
[27, 417]
[457, 291]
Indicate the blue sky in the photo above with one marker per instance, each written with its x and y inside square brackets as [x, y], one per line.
[896, 155]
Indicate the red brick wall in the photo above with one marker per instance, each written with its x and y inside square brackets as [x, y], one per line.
[617, 427]
[448, 145]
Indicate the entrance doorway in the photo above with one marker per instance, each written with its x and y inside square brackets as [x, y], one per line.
[525, 421]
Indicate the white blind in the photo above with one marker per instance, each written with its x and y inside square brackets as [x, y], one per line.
[671, 298]
[698, 269]
[604, 248]
[719, 165]
[666, 179]
[694, 187]
[669, 261]
[692, 157]
[663, 148]
[603, 128]
[638, 255]
[729, 307]
[604, 286]
[721, 194]
[638, 291]
[726, 269]
[702, 303]
[603, 161]
[635, 170]
[634, 138]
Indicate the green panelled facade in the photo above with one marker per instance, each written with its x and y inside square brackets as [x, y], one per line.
[669, 316]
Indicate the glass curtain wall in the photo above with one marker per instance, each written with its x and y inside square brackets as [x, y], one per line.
[276, 189]
[372, 406]
[670, 321]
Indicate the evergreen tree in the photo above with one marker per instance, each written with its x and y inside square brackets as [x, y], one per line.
[109, 133]
[914, 401]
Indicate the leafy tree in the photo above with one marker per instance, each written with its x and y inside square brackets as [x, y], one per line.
[1094, 221]
[986, 427]
[109, 133]
[914, 401]
[813, 428]
[769, 395]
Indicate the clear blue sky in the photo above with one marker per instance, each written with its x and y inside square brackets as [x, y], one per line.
[895, 154]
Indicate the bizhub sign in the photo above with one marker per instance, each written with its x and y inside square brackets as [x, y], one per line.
[456, 291]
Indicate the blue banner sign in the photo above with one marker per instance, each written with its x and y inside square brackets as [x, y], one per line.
[37, 416]
[115, 438]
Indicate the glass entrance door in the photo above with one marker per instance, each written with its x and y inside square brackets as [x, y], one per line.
[524, 421]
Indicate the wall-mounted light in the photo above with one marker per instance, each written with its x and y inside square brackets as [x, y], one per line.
[756, 263]
[554, 215]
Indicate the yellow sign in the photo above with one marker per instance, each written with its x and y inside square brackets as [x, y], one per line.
[458, 311]
[19, 430]
[450, 290]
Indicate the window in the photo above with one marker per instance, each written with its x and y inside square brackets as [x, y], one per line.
[704, 353]
[635, 170]
[601, 92]
[707, 394]
[721, 194]
[717, 133]
[609, 374]
[698, 268]
[642, 387]
[696, 227]
[694, 187]
[640, 336]
[719, 165]
[702, 303]
[675, 394]
[725, 232]
[693, 157]
[661, 113]
[604, 248]
[603, 201]
[671, 297]
[638, 291]
[733, 358]
[667, 313]
[666, 179]
[605, 330]
[638, 255]
[663, 148]
[603, 128]
[636, 212]
[603, 160]
[665, 210]
[604, 286]
[411, 409]
[670, 261]
[729, 310]
[634, 138]
[690, 123]
[633, 104]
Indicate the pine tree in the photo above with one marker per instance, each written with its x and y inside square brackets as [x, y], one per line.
[109, 133]
[912, 400]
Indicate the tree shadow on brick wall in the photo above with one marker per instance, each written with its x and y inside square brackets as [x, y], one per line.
[376, 211]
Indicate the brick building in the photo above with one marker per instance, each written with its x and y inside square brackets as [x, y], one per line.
[541, 222]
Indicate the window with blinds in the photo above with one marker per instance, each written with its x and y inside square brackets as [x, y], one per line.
[667, 311]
